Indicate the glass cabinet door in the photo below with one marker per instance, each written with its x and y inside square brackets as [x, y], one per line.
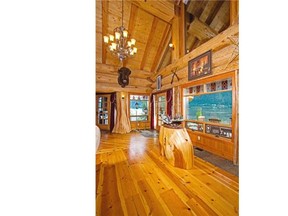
[103, 111]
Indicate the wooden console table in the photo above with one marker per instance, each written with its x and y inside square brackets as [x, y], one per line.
[175, 144]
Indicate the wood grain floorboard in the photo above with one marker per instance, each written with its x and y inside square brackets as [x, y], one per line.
[175, 204]
[133, 179]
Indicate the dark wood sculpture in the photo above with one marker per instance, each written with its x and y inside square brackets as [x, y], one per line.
[123, 78]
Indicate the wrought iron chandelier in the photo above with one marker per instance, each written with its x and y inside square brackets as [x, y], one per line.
[119, 43]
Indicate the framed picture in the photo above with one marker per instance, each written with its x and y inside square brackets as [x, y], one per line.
[200, 66]
[159, 82]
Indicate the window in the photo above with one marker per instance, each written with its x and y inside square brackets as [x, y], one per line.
[209, 102]
[139, 107]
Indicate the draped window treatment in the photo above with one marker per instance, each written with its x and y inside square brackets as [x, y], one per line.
[169, 101]
[122, 124]
[113, 107]
[152, 111]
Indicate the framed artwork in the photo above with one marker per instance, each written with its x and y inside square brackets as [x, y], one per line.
[159, 82]
[200, 66]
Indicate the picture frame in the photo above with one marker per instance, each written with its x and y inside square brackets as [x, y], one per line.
[200, 66]
[159, 80]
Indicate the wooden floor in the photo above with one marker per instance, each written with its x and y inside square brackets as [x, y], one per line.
[133, 179]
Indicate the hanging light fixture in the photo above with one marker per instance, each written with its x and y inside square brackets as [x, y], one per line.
[119, 43]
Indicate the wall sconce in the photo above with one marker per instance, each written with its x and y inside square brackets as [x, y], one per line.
[123, 97]
[171, 46]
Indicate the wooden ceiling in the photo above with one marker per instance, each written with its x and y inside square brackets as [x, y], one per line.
[150, 23]
[204, 20]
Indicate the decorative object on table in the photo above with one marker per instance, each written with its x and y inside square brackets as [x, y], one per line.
[172, 123]
[166, 119]
[123, 78]
[200, 66]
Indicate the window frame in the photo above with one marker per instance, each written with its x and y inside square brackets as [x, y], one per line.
[148, 107]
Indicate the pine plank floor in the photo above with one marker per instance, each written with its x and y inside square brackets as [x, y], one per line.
[133, 179]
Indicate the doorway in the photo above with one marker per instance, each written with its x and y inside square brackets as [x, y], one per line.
[103, 111]
[161, 108]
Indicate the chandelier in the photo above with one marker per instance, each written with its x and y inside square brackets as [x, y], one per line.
[119, 43]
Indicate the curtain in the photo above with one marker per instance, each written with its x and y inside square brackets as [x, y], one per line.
[122, 124]
[169, 101]
[152, 111]
[113, 106]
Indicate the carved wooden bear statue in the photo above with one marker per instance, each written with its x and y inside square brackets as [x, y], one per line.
[123, 78]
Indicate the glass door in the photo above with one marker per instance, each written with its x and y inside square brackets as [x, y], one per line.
[103, 111]
[160, 109]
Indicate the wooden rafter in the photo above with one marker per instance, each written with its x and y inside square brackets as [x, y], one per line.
[104, 28]
[195, 44]
[133, 15]
[209, 7]
[222, 17]
[234, 12]
[99, 45]
[149, 44]
[182, 50]
[162, 9]
[166, 60]
[201, 30]
[213, 12]
[161, 49]
[198, 9]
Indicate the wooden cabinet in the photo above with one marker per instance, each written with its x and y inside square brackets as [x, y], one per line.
[210, 110]
[216, 145]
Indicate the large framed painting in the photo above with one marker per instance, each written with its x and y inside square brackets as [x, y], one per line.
[200, 66]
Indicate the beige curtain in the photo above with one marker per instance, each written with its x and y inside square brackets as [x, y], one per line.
[122, 124]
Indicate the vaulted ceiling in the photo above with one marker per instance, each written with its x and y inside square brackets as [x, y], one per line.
[150, 23]
[204, 20]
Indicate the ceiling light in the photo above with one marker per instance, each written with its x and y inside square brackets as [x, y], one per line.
[119, 43]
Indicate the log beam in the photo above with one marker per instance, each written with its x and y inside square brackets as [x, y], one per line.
[149, 44]
[104, 28]
[164, 10]
[211, 44]
[133, 15]
[200, 30]
[161, 49]
[113, 78]
[105, 87]
[112, 69]
[234, 12]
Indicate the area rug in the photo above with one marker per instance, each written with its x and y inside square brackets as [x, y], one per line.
[149, 133]
[217, 161]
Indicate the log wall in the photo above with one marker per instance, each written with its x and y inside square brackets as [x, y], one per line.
[224, 59]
